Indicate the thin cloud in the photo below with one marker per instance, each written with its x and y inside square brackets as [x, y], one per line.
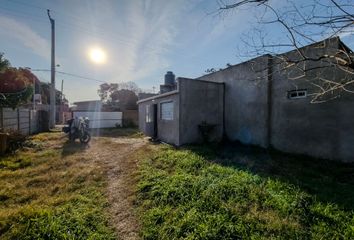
[152, 29]
[24, 34]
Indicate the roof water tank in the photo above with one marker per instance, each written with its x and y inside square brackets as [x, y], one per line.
[170, 78]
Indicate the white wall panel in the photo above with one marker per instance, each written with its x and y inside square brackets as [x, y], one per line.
[102, 119]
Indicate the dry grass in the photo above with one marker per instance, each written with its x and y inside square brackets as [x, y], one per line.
[121, 172]
[58, 190]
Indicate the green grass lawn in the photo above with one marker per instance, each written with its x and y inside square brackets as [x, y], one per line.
[243, 193]
[52, 191]
[117, 132]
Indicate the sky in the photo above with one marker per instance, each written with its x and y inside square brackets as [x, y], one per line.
[142, 40]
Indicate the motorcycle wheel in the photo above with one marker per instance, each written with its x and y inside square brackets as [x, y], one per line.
[85, 138]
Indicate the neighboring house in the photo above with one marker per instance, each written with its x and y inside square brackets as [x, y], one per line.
[107, 115]
[261, 102]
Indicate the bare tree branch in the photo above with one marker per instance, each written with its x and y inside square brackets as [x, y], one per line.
[331, 72]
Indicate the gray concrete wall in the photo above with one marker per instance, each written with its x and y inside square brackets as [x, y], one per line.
[246, 99]
[258, 110]
[168, 130]
[200, 101]
[324, 130]
[22, 119]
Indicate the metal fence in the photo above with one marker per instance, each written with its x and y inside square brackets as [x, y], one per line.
[23, 120]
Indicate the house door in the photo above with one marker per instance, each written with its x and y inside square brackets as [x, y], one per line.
[155, 119]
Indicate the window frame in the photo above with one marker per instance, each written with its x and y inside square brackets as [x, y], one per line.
[148, 117]
[297, 94]
[172, 112]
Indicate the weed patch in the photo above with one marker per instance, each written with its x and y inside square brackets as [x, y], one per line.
[15, 162]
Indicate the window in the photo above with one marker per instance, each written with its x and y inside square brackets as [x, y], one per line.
[166, 110]
[148, 118]
[295, 94]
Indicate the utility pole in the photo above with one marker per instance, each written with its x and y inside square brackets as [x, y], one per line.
[52, 78]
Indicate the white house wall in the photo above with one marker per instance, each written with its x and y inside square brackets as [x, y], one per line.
[102, 119]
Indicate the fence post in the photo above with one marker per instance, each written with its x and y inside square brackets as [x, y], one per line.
[18, 119]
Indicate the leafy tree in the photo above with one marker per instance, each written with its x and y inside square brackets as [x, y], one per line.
[45, 94]
[119, 96]
[105, 91]
[4, 63]
[132, 86]
[124, 99]
[16, 87]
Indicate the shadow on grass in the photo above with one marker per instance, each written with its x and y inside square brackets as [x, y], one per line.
[70, 148]
[116, 132]
[328, 181]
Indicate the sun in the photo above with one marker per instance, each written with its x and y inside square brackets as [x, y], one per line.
[97, 55]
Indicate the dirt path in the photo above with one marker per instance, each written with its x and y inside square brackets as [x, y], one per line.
[116, 156]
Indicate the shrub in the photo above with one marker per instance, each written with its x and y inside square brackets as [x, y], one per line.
[129, 123]
[15, 140]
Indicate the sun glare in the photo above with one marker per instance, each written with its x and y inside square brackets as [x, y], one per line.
[97, 55]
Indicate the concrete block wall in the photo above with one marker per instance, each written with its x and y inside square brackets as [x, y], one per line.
[21, 119]
[323, 130]
[200, 101]
[258, 110]
[246, 100]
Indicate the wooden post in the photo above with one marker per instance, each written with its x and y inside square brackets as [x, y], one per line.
[18, 119]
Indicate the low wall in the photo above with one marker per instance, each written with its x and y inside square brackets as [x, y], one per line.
[21, 119]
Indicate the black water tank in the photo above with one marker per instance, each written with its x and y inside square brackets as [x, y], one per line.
[170, 78]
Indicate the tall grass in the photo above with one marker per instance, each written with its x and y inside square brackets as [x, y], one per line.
[184, 196]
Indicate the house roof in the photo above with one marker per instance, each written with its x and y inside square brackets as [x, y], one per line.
[158, 96]
[341, 44]
[88, 102]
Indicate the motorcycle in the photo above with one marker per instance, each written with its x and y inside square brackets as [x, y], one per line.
[78, 128]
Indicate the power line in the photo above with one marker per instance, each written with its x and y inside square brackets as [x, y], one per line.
[70, 27]
[77, 26]
[106, 35]
[97, 34]
[12, 12]
[68, 74]
[78, 76]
